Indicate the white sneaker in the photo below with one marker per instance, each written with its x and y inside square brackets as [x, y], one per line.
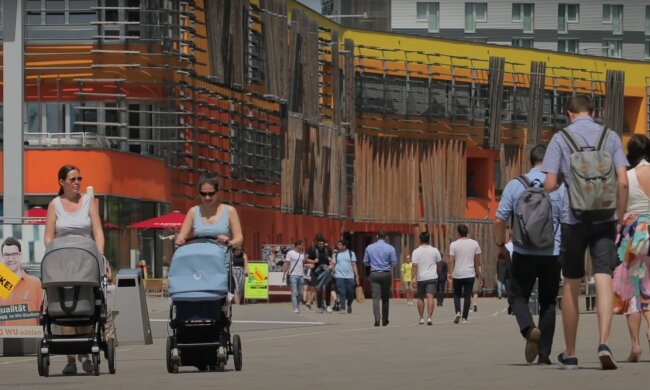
[421, 321]
[329, 309]
[296, 311]
[429, 322]
[342, 311]
[465, 321]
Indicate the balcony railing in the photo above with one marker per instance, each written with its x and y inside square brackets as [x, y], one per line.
[80, 139]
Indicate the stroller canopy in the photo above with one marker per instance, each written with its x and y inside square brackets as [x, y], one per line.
[198, 272]
[72, 260]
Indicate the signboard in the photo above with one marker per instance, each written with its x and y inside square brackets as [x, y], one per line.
[257, 282]
[20, 291]
[8, 281]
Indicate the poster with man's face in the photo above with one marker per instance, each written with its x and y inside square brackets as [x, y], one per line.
[20, 310]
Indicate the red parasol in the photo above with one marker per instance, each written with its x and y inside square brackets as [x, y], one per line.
[110, 226]
[37, 216]
[173, 220]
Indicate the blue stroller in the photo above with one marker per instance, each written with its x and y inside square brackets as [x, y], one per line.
[200, 312]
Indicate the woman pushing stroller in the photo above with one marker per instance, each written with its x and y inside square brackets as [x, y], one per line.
[211, 218]
[73, 213]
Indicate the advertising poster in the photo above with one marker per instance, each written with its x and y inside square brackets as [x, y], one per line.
[20, 288]
[257, 283]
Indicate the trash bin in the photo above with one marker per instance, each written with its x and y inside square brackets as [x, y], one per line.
[131, 313]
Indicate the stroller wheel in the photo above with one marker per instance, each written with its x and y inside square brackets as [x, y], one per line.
[43, 363]
[110, 355]
[236, 351]
[170, 364]
[96, 364]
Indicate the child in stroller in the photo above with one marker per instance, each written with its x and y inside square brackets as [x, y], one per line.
[73, 276]
[200, 312]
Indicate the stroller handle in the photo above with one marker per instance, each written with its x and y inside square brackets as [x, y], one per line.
[210, 239]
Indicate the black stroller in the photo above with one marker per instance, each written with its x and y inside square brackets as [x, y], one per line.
[73, 276]
[200, 312]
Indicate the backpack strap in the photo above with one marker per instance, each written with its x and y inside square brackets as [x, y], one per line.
[573, 145]
[524, 180]
[603, 137]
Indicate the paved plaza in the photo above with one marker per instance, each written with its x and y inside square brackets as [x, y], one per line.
[344, 351]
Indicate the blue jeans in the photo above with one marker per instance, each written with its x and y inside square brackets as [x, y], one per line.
[297, 282]
[345, 289]
[501, 289]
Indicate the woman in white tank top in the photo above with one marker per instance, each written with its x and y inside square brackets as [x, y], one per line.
[73, 213]
[631, 281]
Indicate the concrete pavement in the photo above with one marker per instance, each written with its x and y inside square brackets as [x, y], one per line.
[325, 351]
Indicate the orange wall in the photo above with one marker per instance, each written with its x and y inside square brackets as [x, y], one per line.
[110, 172]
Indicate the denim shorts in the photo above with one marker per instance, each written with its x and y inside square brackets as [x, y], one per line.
[599, 238]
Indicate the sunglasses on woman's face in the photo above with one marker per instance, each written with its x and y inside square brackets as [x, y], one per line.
[206, 194]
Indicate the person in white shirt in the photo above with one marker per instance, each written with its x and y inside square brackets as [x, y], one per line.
[424, 274]
[464, 266]
[293, 268]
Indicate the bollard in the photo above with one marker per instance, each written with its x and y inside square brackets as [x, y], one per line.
[131, 313]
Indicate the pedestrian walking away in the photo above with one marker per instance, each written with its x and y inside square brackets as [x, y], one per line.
[382, 258]
[425, 260]
[589, 217]
[464, 266]
[530, 263]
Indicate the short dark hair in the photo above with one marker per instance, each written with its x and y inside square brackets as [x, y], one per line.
[319, 238]
[10, 241]
[425, 237]
[638, 148]
[463, 230]
[209, 178]
[297, 242]
[537, 154]
[580, 103]
[381, 235]
[344, 242]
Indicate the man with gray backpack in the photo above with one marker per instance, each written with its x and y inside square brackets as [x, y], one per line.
[535, 216]
[595, 169]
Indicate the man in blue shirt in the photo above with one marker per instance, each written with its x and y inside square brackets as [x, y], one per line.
[529, 265]
[579, 235]
[381, 257]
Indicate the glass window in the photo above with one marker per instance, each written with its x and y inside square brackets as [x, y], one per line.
[568, 45]
[428, 12]
[55, 18]
[567, 13]
[613, 14]
[55, 4]
[33, 118]
[54, 118]
[647, 20]
[523, 12]
[516, 12]
[82, 17]
[474, 12]
[34, 5]
[523, 42]
[612, 48]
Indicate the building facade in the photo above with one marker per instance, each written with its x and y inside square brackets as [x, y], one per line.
[310, 126]
[618, 29]
[376, 13]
